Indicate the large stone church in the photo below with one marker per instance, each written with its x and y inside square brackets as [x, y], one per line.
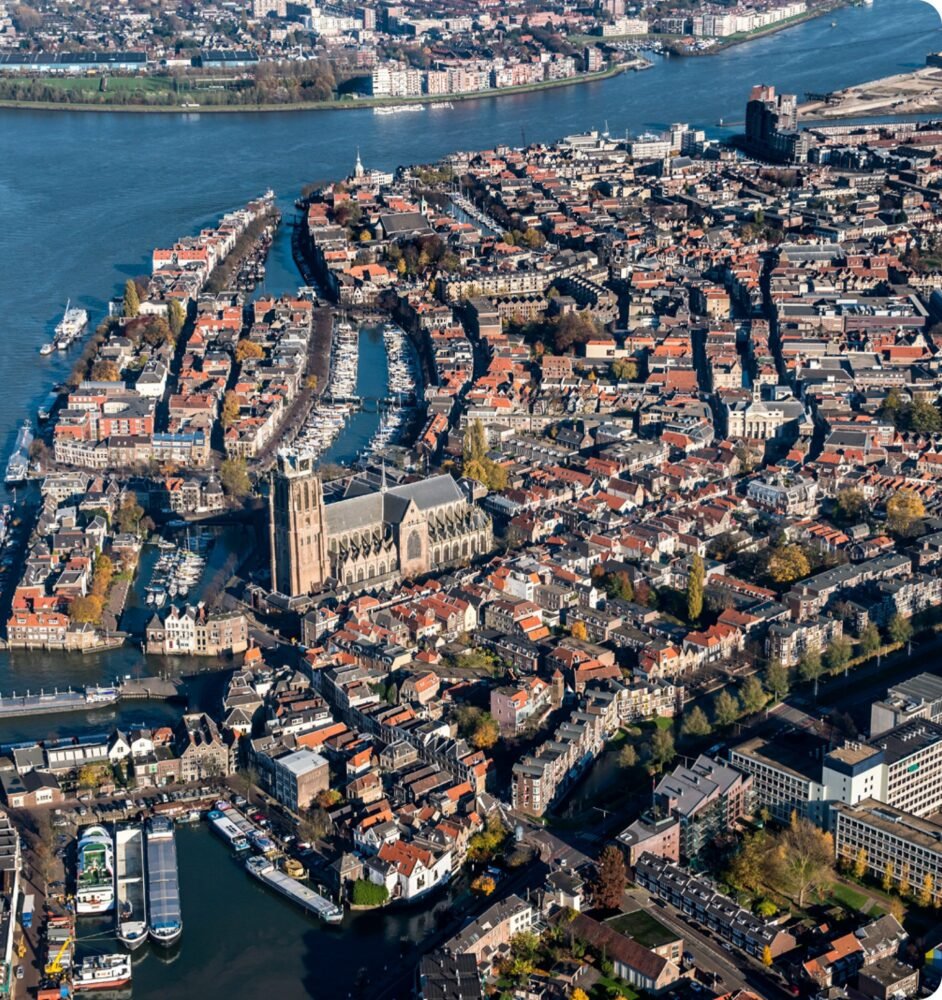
[371, 537]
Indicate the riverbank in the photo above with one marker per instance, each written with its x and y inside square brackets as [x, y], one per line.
[915, 93]
[350, 104]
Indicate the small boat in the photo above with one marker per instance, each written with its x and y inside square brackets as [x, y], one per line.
[102, 972]
[47, 349]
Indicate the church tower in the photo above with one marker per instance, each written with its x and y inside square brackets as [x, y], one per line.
[297, 528]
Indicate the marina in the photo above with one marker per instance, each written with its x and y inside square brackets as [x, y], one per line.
[164, 917]
[94, 875]
[131, 910]
[265, 871]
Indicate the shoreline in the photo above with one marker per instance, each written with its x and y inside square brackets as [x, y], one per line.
[366, 103]
[902, 95]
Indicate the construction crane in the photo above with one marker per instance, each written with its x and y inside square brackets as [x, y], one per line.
[54, 968]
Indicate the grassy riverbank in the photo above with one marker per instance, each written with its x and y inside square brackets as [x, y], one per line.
[339, 104]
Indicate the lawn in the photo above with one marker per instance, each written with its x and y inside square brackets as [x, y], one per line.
[116, 84]
[643, 928]
[606, 988]
[848, 897]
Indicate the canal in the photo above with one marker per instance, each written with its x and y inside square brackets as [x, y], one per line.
[241, 939]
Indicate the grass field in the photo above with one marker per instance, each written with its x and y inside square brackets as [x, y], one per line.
[643, 928]
[116, 84]
[848, 897]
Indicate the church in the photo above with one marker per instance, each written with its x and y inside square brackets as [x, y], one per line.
[371, 537]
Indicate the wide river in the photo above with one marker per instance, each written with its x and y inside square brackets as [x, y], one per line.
[84, 197]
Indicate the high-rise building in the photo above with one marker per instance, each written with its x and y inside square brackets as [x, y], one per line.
[296, 523]
[772, 131]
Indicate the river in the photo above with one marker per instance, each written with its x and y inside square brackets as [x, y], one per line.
[83, 200]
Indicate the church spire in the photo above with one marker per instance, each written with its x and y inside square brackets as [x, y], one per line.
[358, 168]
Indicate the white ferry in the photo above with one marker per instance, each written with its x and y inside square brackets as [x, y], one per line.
[71, 326]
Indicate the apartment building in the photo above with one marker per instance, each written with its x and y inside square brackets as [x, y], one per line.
[298, 777]
[908, 847]
[919, 697]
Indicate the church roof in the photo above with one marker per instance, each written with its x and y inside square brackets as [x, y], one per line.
[355, 512]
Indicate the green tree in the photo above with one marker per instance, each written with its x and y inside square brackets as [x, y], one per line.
[753, 695]
[726, 709]
[628, 756]
[899, 629]
[235, 478]
[662, 749]
[696, 723]
[777, 680]
[838, 653]
[366, 893]
[870, 640]
[810, 667]
[695, 590]
[176, 317]
[625, 369]
[132, 300]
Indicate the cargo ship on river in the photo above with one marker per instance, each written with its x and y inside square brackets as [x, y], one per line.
[164, 917]
[47, 703]
[131, 907]
[306, 898]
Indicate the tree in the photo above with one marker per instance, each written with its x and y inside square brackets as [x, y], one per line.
[86, 609]
[486, 843]
[777, 680]
[850, 505]
[235, 478]
[803, 860]
[90, 777]
[747, 868]
[483, 885]
[726, 709]
[176, 317]
[248, 349]
[578, 994]
[788, 563]
[860, 863]
[695, 590]
[102, 576]
[579, 631]
[904, 511]
[897, 909]
[486, 732]
[475, 462]
[888, 875]
[767, 956]
[926, 891]
[753, 695]
[627, 756]
[625, 369]
[662, 749]
[129, 515]
[132, 300]
[231, 405]
[810, 667]
[610, 878]
[696, 723]
[837, 655]
[105, 371]
[870, 640]
[766, 909]
[904, 879]
[899, 629]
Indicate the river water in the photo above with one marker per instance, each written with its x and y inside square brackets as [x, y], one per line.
[83, 200]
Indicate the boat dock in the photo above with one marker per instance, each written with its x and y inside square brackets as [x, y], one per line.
[306, 898]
